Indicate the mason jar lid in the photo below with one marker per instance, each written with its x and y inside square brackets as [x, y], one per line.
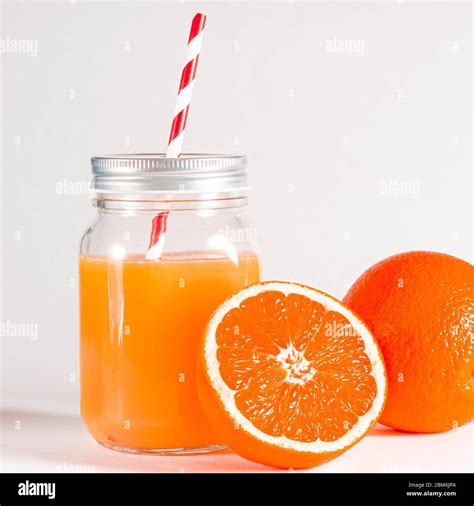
[148, 176]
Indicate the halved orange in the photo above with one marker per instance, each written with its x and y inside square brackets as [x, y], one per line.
[289, 376]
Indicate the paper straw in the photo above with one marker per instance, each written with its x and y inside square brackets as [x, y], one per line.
[178, 127]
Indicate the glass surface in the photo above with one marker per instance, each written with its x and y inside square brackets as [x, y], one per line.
[142, 318]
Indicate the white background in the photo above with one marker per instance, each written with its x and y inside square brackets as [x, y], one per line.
[330, 137]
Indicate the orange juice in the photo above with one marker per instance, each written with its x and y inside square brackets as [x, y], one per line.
[141, 324]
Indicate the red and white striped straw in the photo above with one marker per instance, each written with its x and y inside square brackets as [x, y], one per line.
[178, 126]
[186, 85]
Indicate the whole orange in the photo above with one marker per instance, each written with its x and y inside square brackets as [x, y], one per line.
[420, 308]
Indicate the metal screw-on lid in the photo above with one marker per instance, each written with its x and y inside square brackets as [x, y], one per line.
[143, 176]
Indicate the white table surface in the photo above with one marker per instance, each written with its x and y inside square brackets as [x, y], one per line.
[49, 437]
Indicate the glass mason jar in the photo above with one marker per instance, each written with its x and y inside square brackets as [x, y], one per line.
[170, 242]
